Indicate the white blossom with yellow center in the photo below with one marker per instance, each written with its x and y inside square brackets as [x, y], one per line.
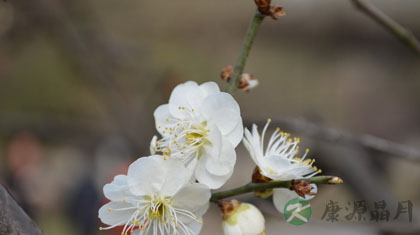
[155, 197]
[201, 126]
[279, 161]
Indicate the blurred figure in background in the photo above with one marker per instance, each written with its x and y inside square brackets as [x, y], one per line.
[24, 155]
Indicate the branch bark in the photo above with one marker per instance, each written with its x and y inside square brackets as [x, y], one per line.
[404, 35]
[13, 220]
[251, 187]
[246, 48]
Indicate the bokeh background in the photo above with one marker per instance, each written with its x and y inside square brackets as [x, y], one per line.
[79, 81]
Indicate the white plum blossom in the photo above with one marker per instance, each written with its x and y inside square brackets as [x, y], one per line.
[279, 161]
[155, 197]
[200, 126]
[244, 219]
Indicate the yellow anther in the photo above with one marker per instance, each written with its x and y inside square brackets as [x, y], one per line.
[100, 228]
[307, 150]
[109, 209]
[319, 171]
[269, 120]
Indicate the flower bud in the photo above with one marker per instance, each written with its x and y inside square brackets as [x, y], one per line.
[247, 82]
[241, 218]
[226, 73]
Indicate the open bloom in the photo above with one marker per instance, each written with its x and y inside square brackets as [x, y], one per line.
[201, 126]
[155, 197]
[279, 161]
[242, 219]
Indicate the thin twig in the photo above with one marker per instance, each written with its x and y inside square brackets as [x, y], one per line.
[391, 25]
[246, 47]
[251, 187]
[318, 131]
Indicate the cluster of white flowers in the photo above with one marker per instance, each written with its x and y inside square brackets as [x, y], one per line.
[169, 191]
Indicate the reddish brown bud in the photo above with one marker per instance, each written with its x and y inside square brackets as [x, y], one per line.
[266, 9]
[276, 11]
[226, 73]
[302, 188]
[257, 177]
[228, 206]
[263, 6]
[247, 82]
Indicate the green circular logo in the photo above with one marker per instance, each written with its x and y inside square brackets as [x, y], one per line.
[297, 211]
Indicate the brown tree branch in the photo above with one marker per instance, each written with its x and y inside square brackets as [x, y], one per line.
[13, 220]
[404, 35]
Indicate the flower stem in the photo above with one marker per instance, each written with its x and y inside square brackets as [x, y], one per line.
[251, 187]
[246, 47]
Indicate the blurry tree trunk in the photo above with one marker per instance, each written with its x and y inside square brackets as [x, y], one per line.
[13, 220]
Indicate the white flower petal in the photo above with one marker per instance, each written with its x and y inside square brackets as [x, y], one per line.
[222, 110]
[193, 198]
[155, 176]
[211, 180]
[215, 143]
[152, 147]
[117, 190]
[115, 213]
[209, 88]
[222, 164]
[276, 167]
[231, 229]
[195, 227]
[163, 119]
[186, 95]
[236, 135]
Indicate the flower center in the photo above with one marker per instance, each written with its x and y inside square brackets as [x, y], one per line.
[157, 208]
[196, 136]
[155, 214]
[181, 137]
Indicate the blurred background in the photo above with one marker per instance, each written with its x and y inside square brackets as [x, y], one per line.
[79, 81]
